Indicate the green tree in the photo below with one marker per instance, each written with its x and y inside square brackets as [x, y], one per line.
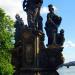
[6, 44]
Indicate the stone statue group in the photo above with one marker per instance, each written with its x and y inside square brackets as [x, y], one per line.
[32, 8]
[30, 52]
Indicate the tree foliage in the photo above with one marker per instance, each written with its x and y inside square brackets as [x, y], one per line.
[6, 34]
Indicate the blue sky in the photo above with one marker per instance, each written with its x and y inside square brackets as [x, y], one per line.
[64, 8]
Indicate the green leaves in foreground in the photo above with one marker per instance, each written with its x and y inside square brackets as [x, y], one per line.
[6, 35]
[5, 67]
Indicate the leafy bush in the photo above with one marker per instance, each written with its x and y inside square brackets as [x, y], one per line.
[6, 34]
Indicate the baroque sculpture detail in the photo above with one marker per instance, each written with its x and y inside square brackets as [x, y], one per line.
[30, 56]
[32, 8]
[52, 24]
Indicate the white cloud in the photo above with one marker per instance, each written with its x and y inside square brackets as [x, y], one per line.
[12, 7]
[69, 44]
[44, 10]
